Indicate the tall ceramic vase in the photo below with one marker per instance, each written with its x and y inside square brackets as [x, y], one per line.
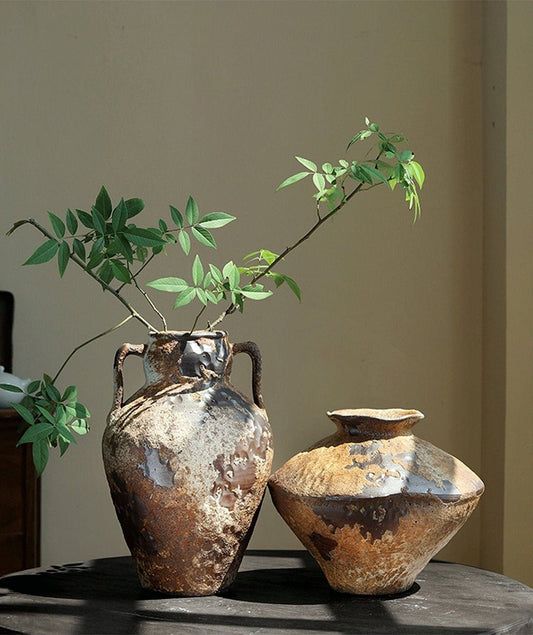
[187, 459]
[373, 503]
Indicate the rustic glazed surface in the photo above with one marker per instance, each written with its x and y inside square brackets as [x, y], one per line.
[187, 459]
[373, 503]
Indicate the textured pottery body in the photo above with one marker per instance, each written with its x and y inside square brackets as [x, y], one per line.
[187, 459]
[373, 503]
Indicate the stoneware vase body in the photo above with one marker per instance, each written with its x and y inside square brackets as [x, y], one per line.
[187, 459]
[373, 503]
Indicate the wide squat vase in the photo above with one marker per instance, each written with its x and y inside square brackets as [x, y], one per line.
[373, 503]
[187, 459]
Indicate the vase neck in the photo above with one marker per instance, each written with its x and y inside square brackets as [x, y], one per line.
[174, 357]
[368, 423]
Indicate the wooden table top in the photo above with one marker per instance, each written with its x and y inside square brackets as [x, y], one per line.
[275, 592]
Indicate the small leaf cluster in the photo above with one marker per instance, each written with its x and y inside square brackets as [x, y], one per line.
[260, 261]
[212, 285]
[111, 243]
[52, 418]
[199, 226]
[399, 168]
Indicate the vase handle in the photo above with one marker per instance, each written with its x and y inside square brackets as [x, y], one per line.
[252, 350]
[118, 379]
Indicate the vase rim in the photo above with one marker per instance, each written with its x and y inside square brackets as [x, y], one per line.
[379, 414]
[187, 335]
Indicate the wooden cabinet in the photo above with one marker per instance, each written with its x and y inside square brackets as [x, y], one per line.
[20, 502]
[19, 499]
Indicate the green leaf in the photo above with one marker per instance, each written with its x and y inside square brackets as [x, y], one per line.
[33, 386]
[234, 277]
[103, 203]
[268, 256]
[57, 224]
[52, 392]
[79, 428]
[185, 241]
[307, 164]
[405, 156]
[354, 139]
[134, 206]
[185, 297]
[319, 181]
[216, 220]
[191, 211]
[81, 411]
[418, 173]
[63, 256]
[200, 294]
[176, 216]
[72, 222]
[120, 216]
[96, 256]
[171, 285]
[211, 297]
[143, 237]
[204, 236]
[40, 455]
[227, 269]
[120, 271]
[216, 273]
[375, 175]
[36, 433]
[293, 286]
[197, 271]
[65, 433]
[85, 219]
[11, 388]
[70, 394]
[98, 220]
[63, 446]
[24, 413]
[44, 253]
[125, 248]
[106, 272]
[292, 179]
[256, 295]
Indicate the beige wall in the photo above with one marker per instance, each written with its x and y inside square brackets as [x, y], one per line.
[518, 522]
[163, 99]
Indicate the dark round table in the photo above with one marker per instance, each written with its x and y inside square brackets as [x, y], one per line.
[275, 592]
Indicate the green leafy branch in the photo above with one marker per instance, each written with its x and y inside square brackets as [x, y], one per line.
[52, 418]
[330, 183]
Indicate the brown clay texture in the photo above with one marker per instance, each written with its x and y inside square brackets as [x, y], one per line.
[187, 459]
[373, 503]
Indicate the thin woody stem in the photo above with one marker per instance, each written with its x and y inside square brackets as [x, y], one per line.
[320, 221]
[92, 339]
[145, 264]
[150, 302]
[134, 313]
[197, 318]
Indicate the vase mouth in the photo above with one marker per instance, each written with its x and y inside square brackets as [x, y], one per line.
[394, 415]
[187, 335]
[375, 423]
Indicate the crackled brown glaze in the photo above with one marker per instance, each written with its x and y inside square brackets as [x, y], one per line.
[187, 459]
[372, 502]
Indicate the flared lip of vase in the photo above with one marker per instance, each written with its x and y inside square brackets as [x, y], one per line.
[392, 415]
[187, 335]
